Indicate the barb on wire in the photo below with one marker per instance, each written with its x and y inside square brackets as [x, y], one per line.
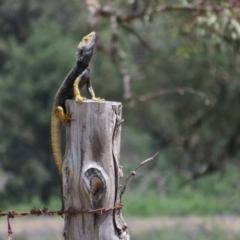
[133, 173]
[46, 212]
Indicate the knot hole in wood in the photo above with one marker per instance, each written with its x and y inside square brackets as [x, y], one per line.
[95, 186]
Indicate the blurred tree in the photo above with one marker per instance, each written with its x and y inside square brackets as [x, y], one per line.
[174, 64]
[202, 37]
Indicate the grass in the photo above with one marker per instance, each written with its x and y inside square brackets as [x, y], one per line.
[183, 234]
[54, 205]
[150, 204]
[216, 194]
[167, 233]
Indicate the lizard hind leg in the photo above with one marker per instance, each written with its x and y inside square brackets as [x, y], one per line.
[64, 118]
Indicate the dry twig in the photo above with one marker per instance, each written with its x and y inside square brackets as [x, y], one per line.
[181, 91]
[133, 173]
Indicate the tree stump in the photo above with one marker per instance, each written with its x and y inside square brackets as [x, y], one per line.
[92, 172]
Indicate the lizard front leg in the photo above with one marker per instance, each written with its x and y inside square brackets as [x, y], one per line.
[92, 93]
[76, 90]
[79, 82]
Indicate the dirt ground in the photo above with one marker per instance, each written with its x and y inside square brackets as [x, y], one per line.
[45, 227]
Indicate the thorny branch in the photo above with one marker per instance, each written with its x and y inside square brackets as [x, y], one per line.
[133, 173]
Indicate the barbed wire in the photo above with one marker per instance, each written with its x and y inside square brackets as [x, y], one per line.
[38, 212]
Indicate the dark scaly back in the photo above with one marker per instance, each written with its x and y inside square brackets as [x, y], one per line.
[84, 55]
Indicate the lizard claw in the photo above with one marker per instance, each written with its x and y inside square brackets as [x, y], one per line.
[98, 99]
[64, 118]
[79, 98]
[68, 118]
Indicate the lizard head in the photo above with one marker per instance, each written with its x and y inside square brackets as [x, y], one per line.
[85, 49]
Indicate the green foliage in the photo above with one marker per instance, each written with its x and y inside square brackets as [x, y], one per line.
[189, 128]
[38, 65]
[219, 27]
[216, 194]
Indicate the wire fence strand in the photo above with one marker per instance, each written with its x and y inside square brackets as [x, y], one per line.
[38, 212]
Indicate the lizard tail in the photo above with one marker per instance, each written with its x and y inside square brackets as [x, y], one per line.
[56, 141]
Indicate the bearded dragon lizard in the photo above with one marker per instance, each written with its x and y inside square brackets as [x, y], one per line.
[69, 89]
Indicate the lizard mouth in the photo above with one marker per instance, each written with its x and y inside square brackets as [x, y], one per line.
[88, 41]
[92, 39]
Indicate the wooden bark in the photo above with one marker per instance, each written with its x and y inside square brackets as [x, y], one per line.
[91, 171]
